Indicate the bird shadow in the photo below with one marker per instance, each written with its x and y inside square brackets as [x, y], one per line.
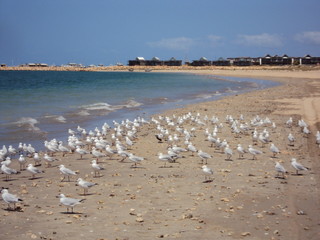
[73, 213]
[208, 181]
[34, 178]
[17, 209]
[136, 167]
[87, 194]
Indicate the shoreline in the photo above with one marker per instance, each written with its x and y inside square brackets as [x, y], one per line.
[244, 200]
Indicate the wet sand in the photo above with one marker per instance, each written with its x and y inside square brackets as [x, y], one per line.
[244, 200]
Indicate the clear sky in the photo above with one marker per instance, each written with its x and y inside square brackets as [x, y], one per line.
[110, 31]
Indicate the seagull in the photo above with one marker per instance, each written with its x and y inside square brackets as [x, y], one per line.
[22, 162]
[241, 151]
[204, 156]
[165, 157]
[63, 149]
[280, 170]
[8, 171]
[192, 148]
[110, 151]
[66, 172]
[85, 185]
[263, 139]
[81, 151]
[291, 139]
[97, 154]
[228, 151]
[289, 122]
[254, 152]
[49, 159]
[298, 166]
[96, 167]
[33, 170]
[274, 150]
[37, 159]
[10, 198]
[135, 159]
[69, 202]
[207, 171]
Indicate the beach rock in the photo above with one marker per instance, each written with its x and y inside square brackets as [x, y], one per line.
[244, 234]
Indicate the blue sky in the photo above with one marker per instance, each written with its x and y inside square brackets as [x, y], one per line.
[111, 31]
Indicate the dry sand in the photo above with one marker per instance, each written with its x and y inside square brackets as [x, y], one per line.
[244, 201]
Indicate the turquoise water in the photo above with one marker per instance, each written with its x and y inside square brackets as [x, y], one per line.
[41, 105]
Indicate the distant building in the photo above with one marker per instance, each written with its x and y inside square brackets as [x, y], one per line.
[201, 62]
[241, 61]
[139, 61]
[276, 60]
[173, 62]
[221, 62]
[155, 61]
[307, 59]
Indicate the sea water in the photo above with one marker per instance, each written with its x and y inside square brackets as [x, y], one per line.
[40, 105]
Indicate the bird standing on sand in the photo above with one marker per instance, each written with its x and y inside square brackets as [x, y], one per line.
[22, 162]
[204, 156]
[33, 170]
[8, 171]
[207, 172]
[85, 185]
[297, 166]
[69, 202]
[274, 150]
[66, 172]
[135, 159]
[10, 198]
[165, 157]
[49, 159]
[291, 139]
[280, 170]
[241, 151]
[96, 167]
[81, 151]
[254, 152]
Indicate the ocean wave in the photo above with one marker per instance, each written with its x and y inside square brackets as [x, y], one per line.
[28, 124]
[130, 104]
[60, 119]
[98, 107]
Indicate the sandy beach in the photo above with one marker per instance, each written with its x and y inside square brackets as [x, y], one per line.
[244, 199]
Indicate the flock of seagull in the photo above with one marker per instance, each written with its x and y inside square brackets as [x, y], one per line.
[177, 132]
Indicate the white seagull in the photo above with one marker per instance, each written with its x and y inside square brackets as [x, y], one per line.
[81, 151]
[204, 156]
[96, 167]
[135, 159]
[280, 170]
[165, 157]
[241, 151]
[66, 172]
[10, 198]
[85, 185]
[254, 152]
[69, 202]
[33, 170]
[298, 166]
[274, 150]
[207, 171]
[49, 159]
[8, 171]
[22, 162]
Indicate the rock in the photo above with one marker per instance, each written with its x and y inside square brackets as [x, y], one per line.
[187, 216]
[244, 234]
[139, 219]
